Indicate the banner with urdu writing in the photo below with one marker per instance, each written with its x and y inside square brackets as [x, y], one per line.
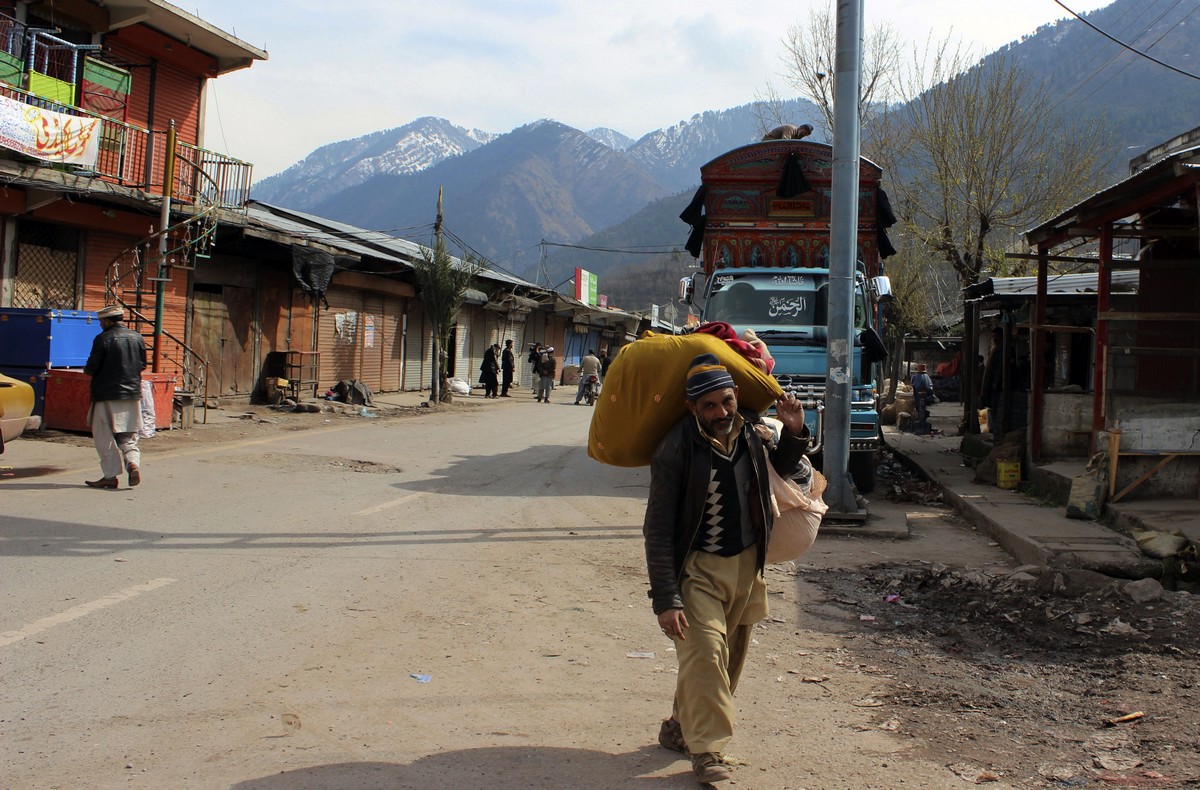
[45, 134]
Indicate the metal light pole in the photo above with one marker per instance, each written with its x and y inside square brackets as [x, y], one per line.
[164, 225]
[843, 254]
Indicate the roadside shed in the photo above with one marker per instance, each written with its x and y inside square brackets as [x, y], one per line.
[1145, 370]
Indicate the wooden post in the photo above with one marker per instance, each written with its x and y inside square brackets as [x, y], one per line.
[1099, 375]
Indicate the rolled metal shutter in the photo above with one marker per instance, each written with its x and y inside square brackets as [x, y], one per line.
[393, 343]
[338, 338]
[415, 333]
[370, 370]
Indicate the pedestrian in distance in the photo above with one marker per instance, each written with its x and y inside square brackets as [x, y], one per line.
[115, 364]
[923, 397]
[508, 367]
[605, 361]
[547, 367]
[991, 387]
[535, 354]
[708, 521]
[588, 365]
[489, 371]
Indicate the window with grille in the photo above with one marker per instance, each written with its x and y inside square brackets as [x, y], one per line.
[47, 257]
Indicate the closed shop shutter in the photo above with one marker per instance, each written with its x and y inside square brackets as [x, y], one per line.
[416, 348]
[177, 98]
[100, 249]
[483, 325]
[462, 367]
[338, 339]
[371, 343]
[393, 343]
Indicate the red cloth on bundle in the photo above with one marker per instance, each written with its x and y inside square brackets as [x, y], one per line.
[749, 346]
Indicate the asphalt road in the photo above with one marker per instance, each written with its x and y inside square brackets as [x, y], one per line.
[445, 601]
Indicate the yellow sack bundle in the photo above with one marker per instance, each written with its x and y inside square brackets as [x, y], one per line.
[645, 392]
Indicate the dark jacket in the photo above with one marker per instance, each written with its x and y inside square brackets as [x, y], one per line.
[679, 473]
[116, 363]
[489, 364]
[547, 366]
[508, 360]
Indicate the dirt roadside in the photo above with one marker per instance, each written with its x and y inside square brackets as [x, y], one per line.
[928, 662]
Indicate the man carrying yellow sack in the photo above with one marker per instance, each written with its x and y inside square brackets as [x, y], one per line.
[708, 520]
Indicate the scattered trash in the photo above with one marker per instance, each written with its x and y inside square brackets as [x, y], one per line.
[816, 679]
[893, 598]
[1120, 628]
[867, 702]
[639, 654]
[1128, 717]
[867, 618]
[421, 678]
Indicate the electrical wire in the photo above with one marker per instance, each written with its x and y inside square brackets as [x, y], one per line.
[1118, 53]
[649, 249]
[1079, 84]
[1134, 50]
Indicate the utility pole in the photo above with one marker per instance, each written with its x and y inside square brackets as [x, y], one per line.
[164, 224]
[843, 255]
[435, 388]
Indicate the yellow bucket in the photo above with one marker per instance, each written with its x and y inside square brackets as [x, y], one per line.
[1008, 474]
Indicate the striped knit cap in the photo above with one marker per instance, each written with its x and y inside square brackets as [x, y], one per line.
[705, 374]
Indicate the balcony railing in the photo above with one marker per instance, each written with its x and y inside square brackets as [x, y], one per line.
[135, 157]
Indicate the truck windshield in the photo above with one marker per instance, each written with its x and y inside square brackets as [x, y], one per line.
[783, 300]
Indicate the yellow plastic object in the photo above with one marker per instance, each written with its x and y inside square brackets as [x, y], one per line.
[1008, 474]
[16, 404]
[644, 393]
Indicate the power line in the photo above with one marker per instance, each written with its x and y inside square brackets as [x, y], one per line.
[649, 249]
[1096, 53]
[1134, 50]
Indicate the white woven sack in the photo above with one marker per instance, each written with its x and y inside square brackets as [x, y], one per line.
[797, 517]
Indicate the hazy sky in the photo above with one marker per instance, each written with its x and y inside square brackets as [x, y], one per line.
[341, 70]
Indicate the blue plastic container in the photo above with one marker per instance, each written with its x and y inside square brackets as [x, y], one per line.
[34, 337]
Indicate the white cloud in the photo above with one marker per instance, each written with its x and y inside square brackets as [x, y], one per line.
[341, 70]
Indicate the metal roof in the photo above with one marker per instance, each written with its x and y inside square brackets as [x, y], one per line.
[1125, 198]
[1060, 285]
[358, 241]
[230, 52]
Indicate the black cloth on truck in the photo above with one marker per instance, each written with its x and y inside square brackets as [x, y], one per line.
[792, 182]
[694, 216]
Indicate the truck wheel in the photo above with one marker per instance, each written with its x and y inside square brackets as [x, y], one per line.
[862, 469]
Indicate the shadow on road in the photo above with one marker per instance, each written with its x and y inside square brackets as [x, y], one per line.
[498, 768]
[541, 470]
[31, 537]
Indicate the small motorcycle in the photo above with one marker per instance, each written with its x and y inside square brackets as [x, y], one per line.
[591, 388]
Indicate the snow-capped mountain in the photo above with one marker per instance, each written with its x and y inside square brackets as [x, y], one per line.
[332, 168]
[610, 137]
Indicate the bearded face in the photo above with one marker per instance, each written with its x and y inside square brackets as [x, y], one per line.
[715, 410]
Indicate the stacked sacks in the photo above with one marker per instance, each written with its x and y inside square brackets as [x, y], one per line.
[644, 393]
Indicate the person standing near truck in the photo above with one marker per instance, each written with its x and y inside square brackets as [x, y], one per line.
[115, 364]
[922, 387]
[708, 520]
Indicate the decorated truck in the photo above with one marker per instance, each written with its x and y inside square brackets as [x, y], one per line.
[760, 226]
